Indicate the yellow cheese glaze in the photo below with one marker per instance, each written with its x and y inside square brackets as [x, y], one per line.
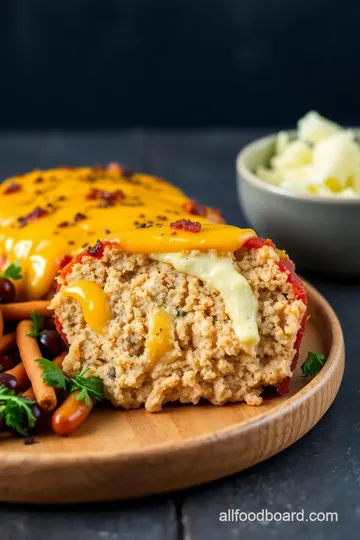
[42, 244]
[160, 336]
[93, 301]
[221, 274]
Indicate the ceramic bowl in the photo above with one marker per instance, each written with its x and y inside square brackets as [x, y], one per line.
[319, 233]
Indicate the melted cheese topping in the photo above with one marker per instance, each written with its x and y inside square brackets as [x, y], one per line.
[221, 274]
[79, 206]
[160, 336]
[93, 301]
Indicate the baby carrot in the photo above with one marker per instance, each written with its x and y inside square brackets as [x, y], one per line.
[70, 415]
[29, 353]
[23, 310]
[7, 342]
[1, 325]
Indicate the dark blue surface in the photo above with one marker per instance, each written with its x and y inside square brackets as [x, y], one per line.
[116, 63]
[321, 472]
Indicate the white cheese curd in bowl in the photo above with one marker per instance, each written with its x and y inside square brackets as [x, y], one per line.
[321, 159]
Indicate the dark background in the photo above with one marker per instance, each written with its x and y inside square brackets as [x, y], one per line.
[254, 65]
[120, 63]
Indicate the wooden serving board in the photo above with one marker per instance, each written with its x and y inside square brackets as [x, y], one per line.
[120, 454]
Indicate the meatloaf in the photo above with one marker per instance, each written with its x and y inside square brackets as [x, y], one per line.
[155, 293]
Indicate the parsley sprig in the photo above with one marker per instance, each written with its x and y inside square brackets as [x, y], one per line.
[16, 411]
[313, 364]
[90, 387]
[13, 271]
[37, 323]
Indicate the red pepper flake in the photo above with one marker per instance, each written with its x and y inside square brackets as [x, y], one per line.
[12, 188]
[79, 217]
[186, 225]
[96, 194]
[257, 243]
[96, 250]
[195, 208]
[36, 214]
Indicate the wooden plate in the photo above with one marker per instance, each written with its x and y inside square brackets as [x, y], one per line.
[120, 454]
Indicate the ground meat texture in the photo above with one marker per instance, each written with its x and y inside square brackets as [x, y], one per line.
[207, 360]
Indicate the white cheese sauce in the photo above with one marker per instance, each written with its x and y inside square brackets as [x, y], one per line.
[221, 274]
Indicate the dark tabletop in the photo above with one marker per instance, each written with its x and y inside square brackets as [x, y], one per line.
[320, 473]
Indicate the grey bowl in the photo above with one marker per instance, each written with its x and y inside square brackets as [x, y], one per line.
[319, 233]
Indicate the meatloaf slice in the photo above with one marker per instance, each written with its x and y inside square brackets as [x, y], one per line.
[206, 359]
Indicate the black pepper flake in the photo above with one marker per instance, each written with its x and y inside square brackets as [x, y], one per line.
[85, 245]
[111, 373]
[39, 180]
[62, 198]
[143, 226]
[141, 216]
[63, 224]
[71, 242]
[49, 205]
[30, 440]
[107, 231]
[162, 218]
[79, 217]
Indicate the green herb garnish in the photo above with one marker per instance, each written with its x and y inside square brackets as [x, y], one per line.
[36, 325]
[52, 374]
[12, 272]
[16, 411]
[313, 364]
[90, 387]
